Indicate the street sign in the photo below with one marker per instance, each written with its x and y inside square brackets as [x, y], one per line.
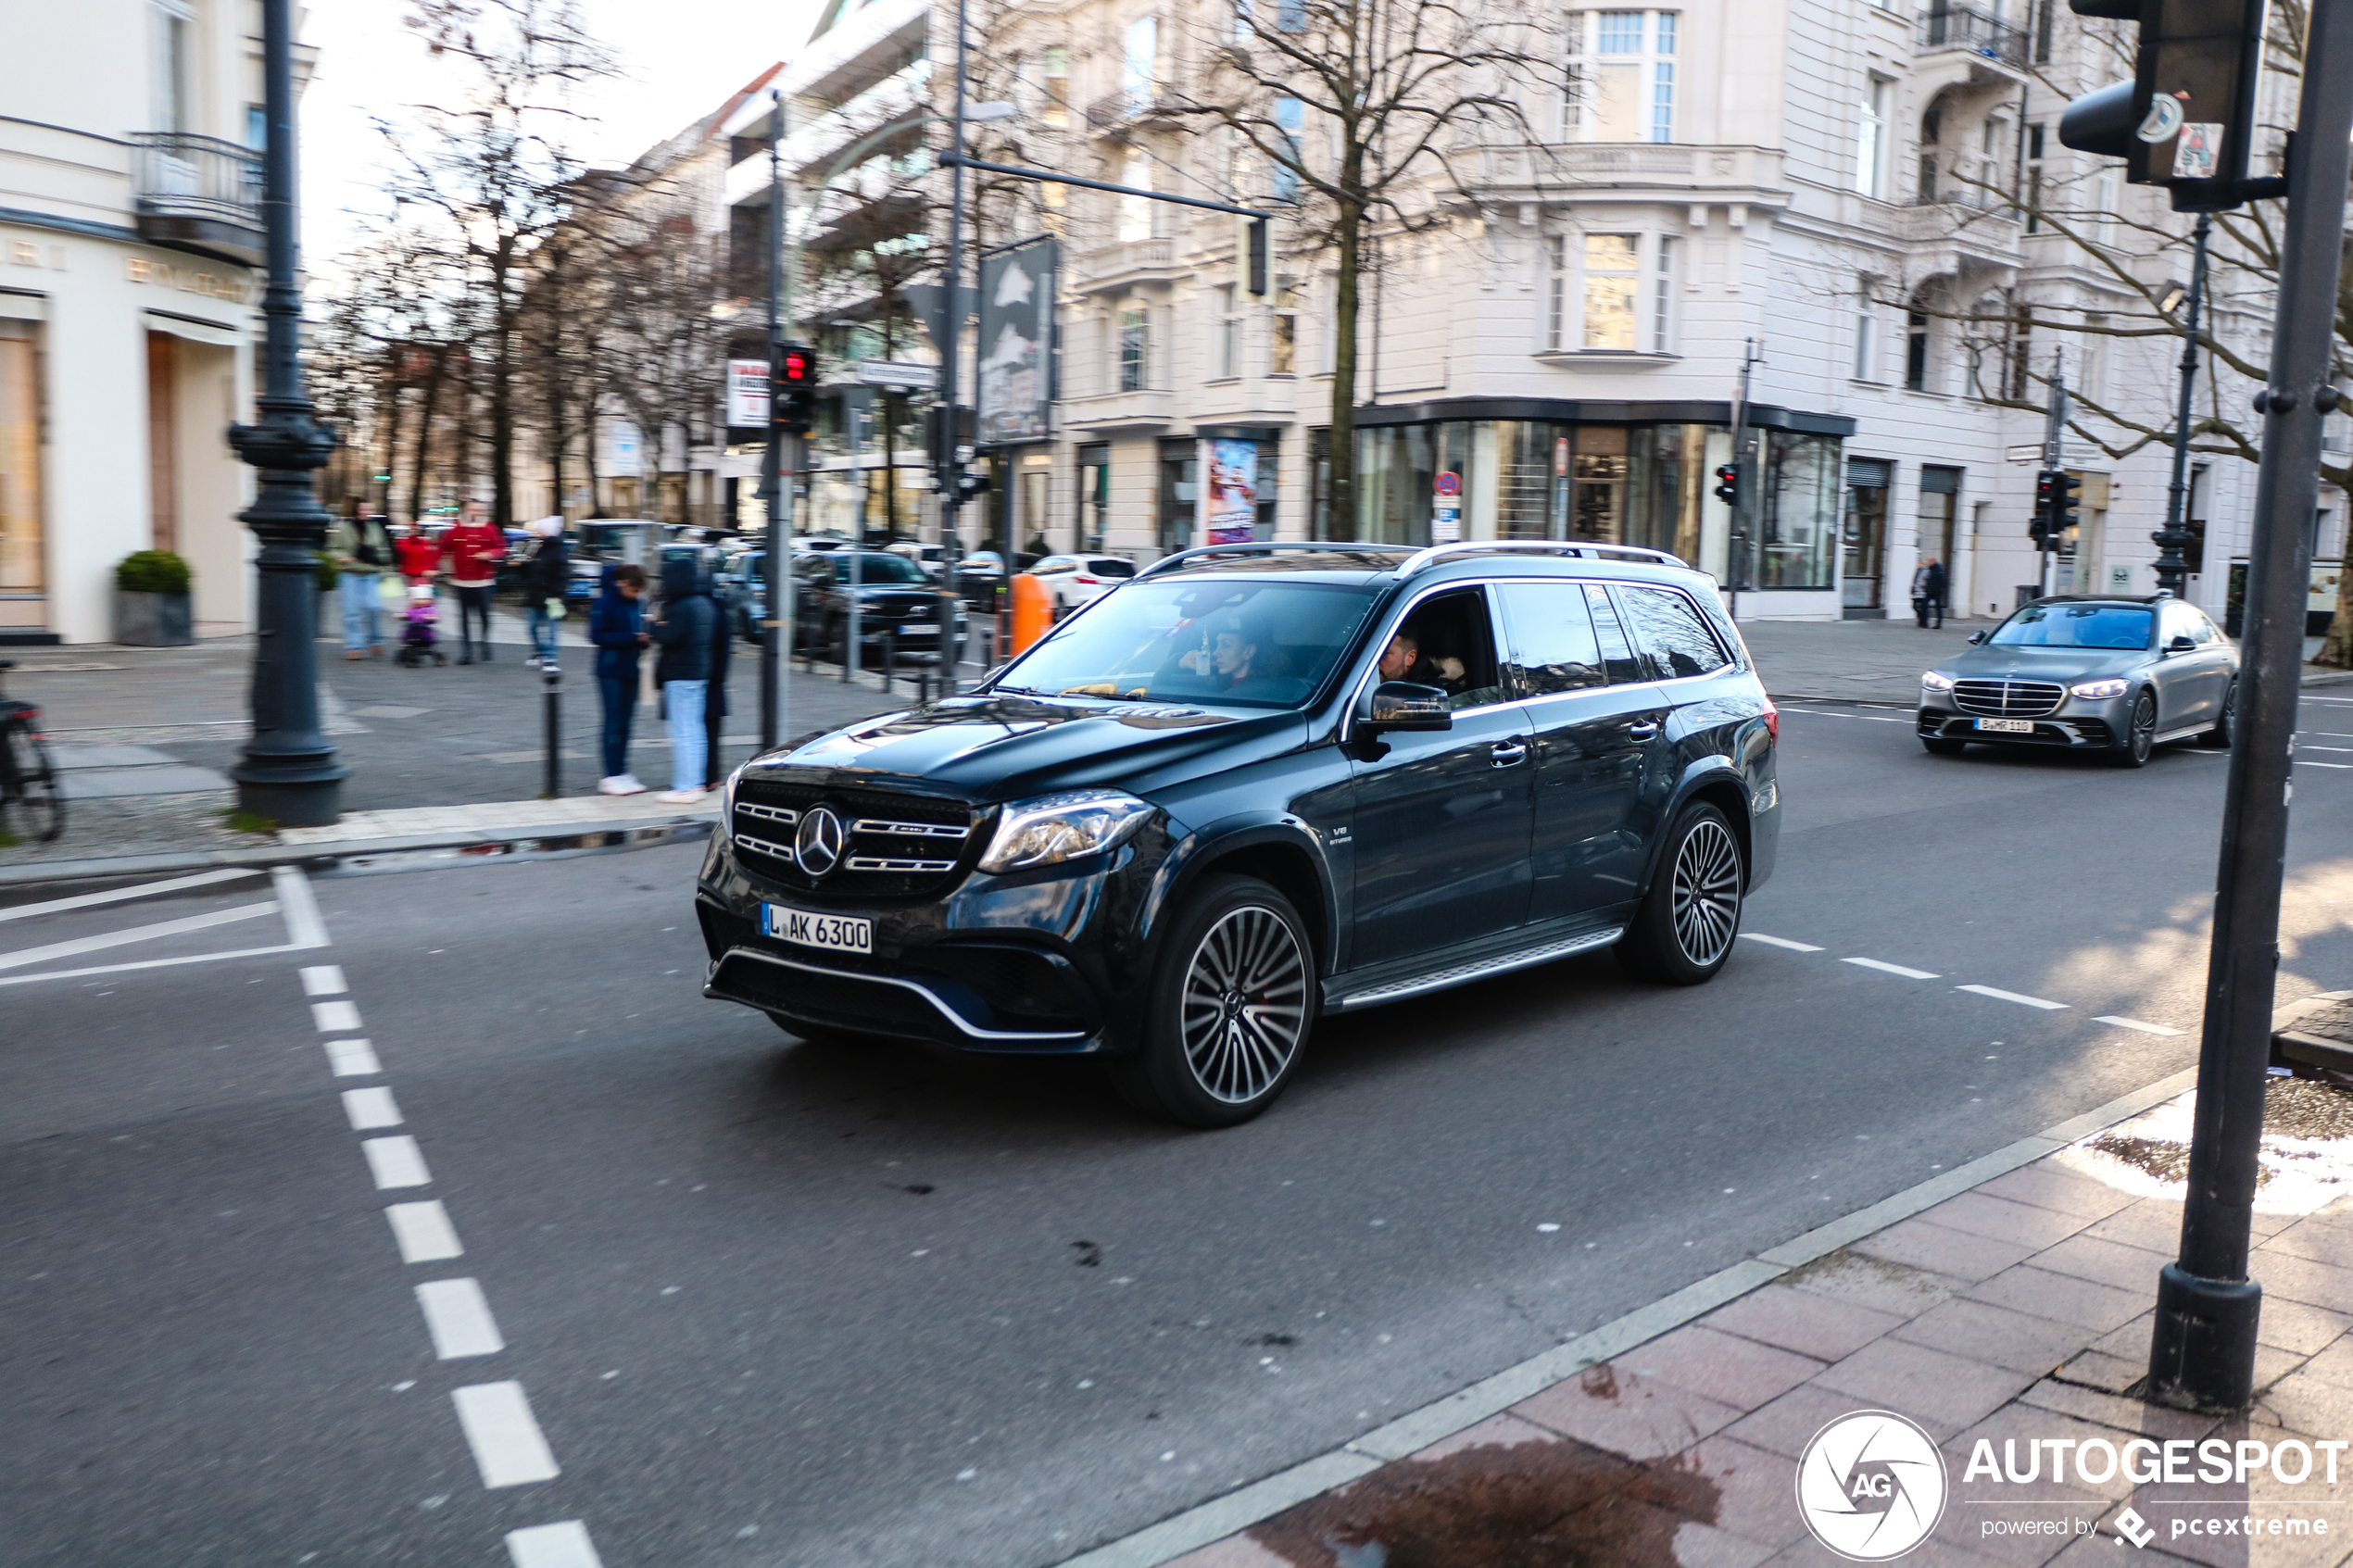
[898, 377]
[2072, 455]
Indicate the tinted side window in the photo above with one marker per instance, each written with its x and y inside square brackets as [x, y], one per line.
[1453, 647]
[1554, 648]
[1668, 629]
[1618, 655]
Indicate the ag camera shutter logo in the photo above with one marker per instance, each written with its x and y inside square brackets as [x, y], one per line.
[1871, 1486]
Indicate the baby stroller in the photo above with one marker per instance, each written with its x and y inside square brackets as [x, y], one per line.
[416, 638]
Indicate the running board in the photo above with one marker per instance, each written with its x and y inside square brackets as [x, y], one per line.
[1463, 974]
[2170, 736]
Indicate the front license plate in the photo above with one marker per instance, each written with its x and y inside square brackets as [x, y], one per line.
[2006, 726]
[842, 934]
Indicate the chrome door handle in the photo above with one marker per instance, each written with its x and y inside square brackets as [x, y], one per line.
[1642, 729]
[1508, 753]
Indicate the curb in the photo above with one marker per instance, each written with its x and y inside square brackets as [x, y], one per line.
[1262, 1499]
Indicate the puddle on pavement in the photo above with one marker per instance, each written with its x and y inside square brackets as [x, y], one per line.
[1524, 1505]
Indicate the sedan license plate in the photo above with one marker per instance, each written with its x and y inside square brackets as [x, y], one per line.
[2006, 726]
[842, 934]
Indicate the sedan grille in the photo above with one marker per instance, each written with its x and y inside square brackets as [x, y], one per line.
[898, 845]
[2007, 700]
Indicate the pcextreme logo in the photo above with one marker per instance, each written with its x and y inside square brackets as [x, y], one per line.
[1871, 1486]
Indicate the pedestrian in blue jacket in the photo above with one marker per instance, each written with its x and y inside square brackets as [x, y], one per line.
[687, 628]
[617, 627]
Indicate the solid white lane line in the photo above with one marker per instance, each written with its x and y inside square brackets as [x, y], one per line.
[353, 1058]
[370, 1107]
[304, 926]
[2010, 997]
[116, 896]
[1892, 969]
[2324, 748]
[508, 1448]
[396, 1162]
[144, 963]
[553, 1546]
[334, 1017]
[2325, 764]
[423, 1232]
[458, 1318]
[1828, 714]
[323, 980]
[2135, 1023]
[24, 956]
[1779, 941]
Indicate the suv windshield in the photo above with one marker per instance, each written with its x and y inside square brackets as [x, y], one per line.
[874, 568]
[2077, 626]
[1252, 645]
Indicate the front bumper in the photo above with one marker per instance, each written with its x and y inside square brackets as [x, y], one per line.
[2077, 723]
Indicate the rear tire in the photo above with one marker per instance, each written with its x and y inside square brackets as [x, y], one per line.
[1683, 931]
[1233, 995]
[2219, 737]
[2140, 734]
[1939, 746]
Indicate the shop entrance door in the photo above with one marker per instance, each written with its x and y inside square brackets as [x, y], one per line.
[1863, 555]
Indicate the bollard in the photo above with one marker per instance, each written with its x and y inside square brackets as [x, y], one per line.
[552, 710]
[890, 657]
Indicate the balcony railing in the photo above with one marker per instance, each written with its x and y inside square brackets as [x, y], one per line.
[1974, 32]
[1128, 104]
[199, 191]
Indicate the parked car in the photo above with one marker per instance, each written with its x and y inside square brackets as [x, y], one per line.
[1256, 787]
[892, 595]
[1076, 580]
[933, 558]
[2116, 677]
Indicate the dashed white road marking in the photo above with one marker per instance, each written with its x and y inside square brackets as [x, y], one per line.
[396, 1162]
[323, 980]
[370, 1107]
[1779, 941]
[499, 1428]
[2135, 1023]
[353, 1058]
[116, 896]
[104, 939]
[335, 1017]
[2304, 764]
[1892, 969]
[2324, 748]
[1833, 714]
[423, 1232]
[458, 1316]
[143, 963]
[553, 1546]
[2000, 996]
[305, 927]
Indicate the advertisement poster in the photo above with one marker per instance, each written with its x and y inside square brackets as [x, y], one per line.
[1016, 342]
[747, 394]
[1233, 492]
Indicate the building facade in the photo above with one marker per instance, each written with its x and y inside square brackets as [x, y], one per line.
[130, 252]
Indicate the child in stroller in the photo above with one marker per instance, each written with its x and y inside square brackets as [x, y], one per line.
[417, 634]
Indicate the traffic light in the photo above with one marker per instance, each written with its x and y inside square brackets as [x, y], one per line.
[2054, 508]
[793, 389]
[971, 482]
[1728, 485]
[2187, 117]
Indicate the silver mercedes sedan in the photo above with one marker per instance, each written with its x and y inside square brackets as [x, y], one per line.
[2118, 677]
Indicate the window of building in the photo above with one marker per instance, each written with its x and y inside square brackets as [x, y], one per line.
[1135, 212]
[1870, 138]
[1596, 296]
[1612, 267]
[22, 554]
[172, 21]
[1557, 292]
[1229, 356]
[1866, 332]
[256, 127]
[1242, 20]
[1134, 345]
[1291, 119]
[1621, 76]
[1139, 74]
[1055, 80]
[1290, 16]
[1915, 351]
[2034, 178]
[1094, 492]
[1663, 295]
[2042, 22]
[1282, 356]
[2095, 345]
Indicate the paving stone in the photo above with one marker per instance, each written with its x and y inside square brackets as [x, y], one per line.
[1787, 1424]
[1755, 1489]
[1624, 1517]
[2154, 1225]
[2047, 1186]
[2021, 1425]
[1980, 1213]
[1711, 1546]
[2312, 1404]
[2272, 1363]
[2129, 1416]
[1957, 1254]
[2108, 1374]
[1722, 1366]
[1810, 1323]
[2301, 1279]
[2131, 1341]
[1986, 1333]
[1626, 1414]
[2044, 1294]
[1943, 1392]
[1496, 1432]
[2102, 1261]
[1875, 1283]
[2324, 1238]
[2298, 1326]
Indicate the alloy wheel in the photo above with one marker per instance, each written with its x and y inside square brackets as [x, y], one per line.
[1244, 1004]
[1707, 891]
[2144, 726]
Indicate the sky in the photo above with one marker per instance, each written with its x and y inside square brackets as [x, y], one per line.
[680, 60]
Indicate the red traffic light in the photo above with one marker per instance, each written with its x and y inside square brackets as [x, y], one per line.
[794, 366]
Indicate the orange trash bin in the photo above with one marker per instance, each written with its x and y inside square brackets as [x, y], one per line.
[1033, 610]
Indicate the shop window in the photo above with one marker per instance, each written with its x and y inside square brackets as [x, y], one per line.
[1094, 492]
[1620, 77]
[1180, 494]
[1799, 525]
[21, 503]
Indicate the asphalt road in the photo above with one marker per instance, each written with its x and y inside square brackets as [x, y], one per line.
[774, 1304]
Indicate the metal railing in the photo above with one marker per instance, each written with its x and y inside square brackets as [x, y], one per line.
[1979, 33]
[192, 176]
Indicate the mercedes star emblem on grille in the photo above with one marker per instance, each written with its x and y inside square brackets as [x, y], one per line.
[818, 844]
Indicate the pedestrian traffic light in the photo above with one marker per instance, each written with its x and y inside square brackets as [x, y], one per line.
[2186, 119]
[2064, 514]
[2054, 508]
[1728, 485]
[794, 388]
[971, 481]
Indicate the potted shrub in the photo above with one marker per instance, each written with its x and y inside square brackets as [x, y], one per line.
[151, 607]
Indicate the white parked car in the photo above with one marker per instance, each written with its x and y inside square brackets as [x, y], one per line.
[1077, 580]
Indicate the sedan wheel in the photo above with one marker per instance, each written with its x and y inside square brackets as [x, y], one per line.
[2140, 736]
[2225, 727]
[1683, 931]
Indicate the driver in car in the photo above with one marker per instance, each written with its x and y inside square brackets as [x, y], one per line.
[1403, 660]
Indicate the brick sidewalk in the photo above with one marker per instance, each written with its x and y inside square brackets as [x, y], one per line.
[2016, 1309]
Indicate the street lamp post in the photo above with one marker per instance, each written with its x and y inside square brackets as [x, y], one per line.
[2172, 565]
[289, 774]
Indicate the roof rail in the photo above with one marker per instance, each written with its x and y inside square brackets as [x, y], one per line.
[1431, 556]
[1259, 547]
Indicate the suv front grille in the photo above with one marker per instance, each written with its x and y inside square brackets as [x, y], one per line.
[2007, 700]
[897, 846]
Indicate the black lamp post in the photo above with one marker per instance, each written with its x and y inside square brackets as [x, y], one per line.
[289, 774]
[2173, 567]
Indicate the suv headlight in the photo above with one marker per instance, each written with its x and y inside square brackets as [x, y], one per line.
[1053, 828]
[1934, 682]
[2098, 688]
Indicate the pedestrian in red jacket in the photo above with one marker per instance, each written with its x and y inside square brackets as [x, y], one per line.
[416, 556]
[473, 551]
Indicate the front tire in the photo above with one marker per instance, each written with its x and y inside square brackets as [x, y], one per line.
[2140, 734]
[1683, 931]
[1232, 997]
[2226, 727]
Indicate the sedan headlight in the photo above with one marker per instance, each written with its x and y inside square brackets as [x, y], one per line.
[1053, 828]
[1934, 682]
[2098, 688]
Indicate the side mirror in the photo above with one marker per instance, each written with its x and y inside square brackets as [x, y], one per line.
[1403, 705]
[2181, 645]
[1977, 637]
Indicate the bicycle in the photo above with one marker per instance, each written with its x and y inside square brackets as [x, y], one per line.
[30, 793]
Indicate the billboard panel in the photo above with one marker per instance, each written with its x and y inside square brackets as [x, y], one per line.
[1016, 341]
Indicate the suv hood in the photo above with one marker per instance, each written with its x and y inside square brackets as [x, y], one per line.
[2043, 664]
[990, 748]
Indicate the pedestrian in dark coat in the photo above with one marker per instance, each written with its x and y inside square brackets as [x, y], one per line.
[617, 627]
[1927, 594]
[684, 633]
